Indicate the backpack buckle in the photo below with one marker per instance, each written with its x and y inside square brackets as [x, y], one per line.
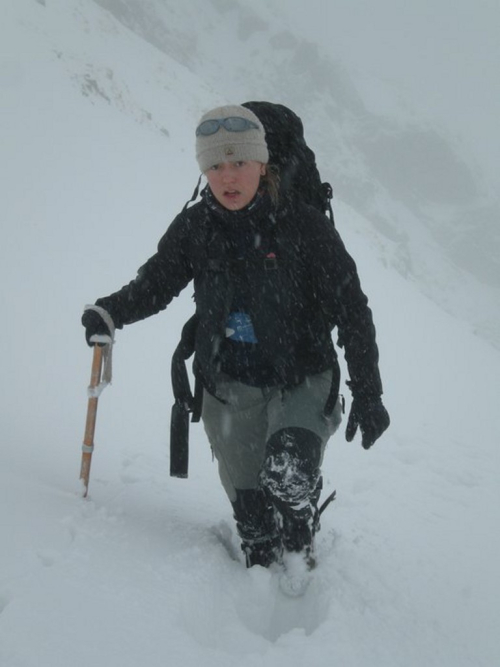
[270, 263]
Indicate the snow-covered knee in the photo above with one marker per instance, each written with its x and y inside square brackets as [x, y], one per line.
[291, 468]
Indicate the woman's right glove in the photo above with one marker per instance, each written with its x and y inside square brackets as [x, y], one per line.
[96, 329]
[371, 417]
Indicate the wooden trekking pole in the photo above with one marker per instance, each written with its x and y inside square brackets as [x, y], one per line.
[88, 440]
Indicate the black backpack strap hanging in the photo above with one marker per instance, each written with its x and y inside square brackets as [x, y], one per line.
[327, 191]
[185, 403]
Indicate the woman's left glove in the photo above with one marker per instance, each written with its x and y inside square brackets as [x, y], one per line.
[371, 417]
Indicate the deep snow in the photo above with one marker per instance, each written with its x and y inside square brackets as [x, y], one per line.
[136, 574]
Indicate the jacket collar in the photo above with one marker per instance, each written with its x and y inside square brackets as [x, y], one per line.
[258, 209]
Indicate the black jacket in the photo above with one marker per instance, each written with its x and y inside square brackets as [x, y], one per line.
[289, 269]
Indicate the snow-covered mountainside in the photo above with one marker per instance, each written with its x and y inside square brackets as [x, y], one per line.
[425, 195]
[99, 102]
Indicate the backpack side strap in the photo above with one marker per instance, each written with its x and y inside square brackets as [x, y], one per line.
[185, 403]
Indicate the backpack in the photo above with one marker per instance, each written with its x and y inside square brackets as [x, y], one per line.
[299, 177]
[289, 152]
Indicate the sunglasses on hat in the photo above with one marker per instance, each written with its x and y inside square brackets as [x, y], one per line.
[231, 124]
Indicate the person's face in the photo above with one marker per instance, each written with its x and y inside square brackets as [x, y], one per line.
[234, 184]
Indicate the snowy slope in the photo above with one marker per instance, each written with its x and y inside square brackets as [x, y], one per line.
[415, 178]
[97, 158]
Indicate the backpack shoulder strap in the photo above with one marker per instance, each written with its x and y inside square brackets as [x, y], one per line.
[195, 194]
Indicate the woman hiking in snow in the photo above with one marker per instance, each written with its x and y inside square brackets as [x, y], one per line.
[272, 279]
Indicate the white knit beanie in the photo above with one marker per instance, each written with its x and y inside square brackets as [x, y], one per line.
[225, 146]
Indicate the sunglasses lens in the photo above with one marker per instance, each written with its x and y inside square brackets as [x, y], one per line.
[236, 124]
[208, 127]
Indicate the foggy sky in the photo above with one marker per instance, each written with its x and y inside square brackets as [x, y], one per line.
[441, 56]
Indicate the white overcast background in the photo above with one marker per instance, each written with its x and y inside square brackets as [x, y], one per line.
[99, 100]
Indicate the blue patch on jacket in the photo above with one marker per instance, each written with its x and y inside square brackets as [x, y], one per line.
[239, 328]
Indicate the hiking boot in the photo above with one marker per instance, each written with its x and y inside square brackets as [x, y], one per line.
[256, 526]
[263, 552]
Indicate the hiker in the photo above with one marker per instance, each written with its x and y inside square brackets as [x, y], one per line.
[272, 279]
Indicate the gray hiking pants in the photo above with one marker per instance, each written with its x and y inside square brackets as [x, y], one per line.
[239, 429]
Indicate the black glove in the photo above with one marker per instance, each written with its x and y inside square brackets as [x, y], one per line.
[94, 325]
[371, 417]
